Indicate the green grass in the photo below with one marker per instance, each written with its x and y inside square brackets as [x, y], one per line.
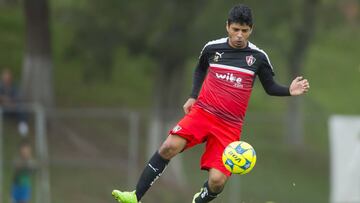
[83, 184]
[78, 174]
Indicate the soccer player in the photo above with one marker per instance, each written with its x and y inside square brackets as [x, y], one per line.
[214, 113]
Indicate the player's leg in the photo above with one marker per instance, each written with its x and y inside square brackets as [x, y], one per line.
[153, 170]
[212, 187]
[187, 133]
[157, 164]
[220, 136]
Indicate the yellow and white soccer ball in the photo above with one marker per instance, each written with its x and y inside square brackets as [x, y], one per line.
[239, 157]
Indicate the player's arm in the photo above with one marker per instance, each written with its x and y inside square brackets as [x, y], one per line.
[298, 86]
[198, 78]
[272, 88]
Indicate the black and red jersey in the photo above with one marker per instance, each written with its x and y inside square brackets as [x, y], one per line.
[226, 76]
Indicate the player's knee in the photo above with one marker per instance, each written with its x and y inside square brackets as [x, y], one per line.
[172, 146]
[216, 183]
[168, 150]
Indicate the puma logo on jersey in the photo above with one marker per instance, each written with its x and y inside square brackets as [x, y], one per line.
[218, 56]
[230, 78]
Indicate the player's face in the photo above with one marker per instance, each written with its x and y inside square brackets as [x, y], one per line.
[238, 34]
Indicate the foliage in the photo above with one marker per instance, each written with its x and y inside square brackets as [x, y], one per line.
[89, 37]
[11, 39]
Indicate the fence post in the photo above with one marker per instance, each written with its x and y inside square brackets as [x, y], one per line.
[43, 182]
[133, 148]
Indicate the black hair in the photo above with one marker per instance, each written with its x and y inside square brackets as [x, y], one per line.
[240, 14]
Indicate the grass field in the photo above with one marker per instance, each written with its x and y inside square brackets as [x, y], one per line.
[88, 170]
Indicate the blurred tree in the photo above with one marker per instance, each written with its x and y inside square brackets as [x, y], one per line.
[157, 28]
[167, 30]
[97, 27]
[7, 2]
[37, 81]
[169, 45]
[144, 28]
[303, 33]
[351, 10]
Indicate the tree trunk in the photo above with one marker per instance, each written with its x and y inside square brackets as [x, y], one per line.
[169, 81]
[167, 96]
[303, 34]
[37, 81]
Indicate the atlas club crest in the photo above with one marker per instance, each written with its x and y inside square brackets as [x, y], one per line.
[250, 60]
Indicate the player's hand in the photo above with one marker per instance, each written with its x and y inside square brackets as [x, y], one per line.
[188, 105]
[299, 86]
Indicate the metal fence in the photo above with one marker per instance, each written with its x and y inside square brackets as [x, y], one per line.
[76, 127]
[42, 178]
[84, 153]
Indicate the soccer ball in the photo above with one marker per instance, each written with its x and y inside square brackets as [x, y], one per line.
[239, 157]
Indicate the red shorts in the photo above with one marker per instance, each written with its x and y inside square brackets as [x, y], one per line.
[200, 126]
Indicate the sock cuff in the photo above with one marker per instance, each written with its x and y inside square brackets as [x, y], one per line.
[212, 194]
[157, 158]
[150, 174]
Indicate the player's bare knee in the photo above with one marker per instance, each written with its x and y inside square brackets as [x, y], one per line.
[217, 182]
[168, 150]
[172, 146]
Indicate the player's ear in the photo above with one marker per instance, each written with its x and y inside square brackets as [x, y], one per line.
[251, 28]
[227, 25]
